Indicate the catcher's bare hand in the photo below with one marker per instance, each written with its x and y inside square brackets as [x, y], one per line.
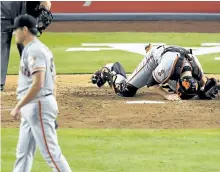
[172, 97]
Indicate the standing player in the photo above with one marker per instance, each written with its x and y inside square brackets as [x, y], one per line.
[173, 65]
[37, 103]
[9, 11]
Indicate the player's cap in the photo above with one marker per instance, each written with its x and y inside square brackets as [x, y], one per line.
[25, 20]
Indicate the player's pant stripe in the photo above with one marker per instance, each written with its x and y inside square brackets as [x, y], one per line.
[45, 140]
[148, 60]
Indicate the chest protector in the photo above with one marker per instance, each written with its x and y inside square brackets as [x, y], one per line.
[184, 55]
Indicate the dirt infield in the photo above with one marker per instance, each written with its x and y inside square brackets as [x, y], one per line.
[82, 105]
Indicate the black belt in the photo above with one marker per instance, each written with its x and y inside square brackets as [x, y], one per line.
[48, 94]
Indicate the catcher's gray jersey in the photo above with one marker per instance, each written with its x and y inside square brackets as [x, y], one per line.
[36, 57]
[153, 64]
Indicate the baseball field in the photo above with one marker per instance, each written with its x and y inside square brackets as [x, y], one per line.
[98, 131]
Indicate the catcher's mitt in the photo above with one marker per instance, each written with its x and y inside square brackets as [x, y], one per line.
[44, 17]
[210, 91]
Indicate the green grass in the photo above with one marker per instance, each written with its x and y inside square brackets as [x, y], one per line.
[114, 150]
[88, 62]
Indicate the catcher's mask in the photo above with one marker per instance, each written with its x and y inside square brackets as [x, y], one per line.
[187, 87]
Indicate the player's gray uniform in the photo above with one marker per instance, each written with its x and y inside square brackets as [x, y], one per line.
[37, 117]
[155, 65]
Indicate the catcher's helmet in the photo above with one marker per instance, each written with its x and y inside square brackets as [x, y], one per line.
[187, 87]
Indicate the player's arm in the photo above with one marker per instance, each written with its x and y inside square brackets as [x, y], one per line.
[168, 96]
[46, 4]
[155, 86]
[38, 82]
[203, 77]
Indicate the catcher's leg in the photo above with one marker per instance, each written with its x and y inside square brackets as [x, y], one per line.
[107, 73]
[142, 75]
[114, 74]
[123, 86]
[170, 86]
[126, 90]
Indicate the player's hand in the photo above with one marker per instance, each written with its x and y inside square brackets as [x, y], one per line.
[46, 4]
[172, 97]
[15, 112]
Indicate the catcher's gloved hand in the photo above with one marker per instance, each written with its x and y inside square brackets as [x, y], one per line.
[101, 76]
[210, 90]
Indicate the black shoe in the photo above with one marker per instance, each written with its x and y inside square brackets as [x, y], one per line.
[2, 87]
[56, 125]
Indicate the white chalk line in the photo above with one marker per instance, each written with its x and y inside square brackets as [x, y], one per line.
[145, 102]
[205, 48]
